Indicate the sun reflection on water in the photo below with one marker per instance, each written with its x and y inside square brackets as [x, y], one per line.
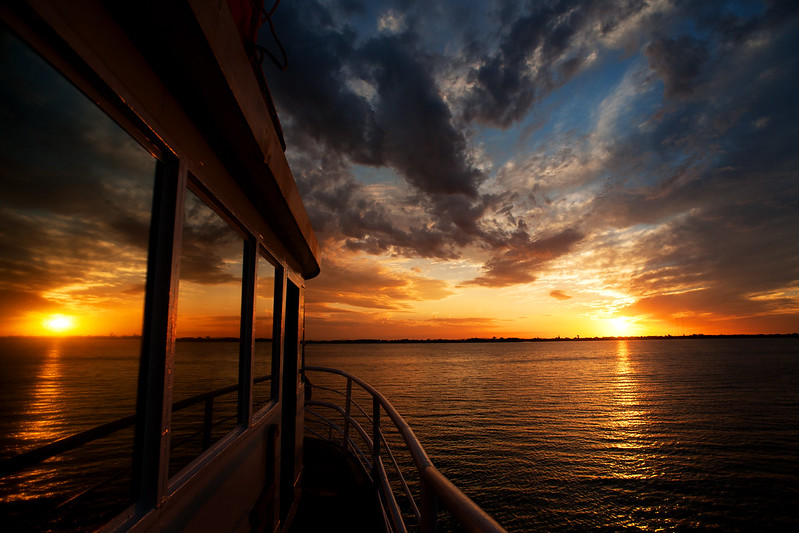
[626, 431]
[45, 424]
[46, 409]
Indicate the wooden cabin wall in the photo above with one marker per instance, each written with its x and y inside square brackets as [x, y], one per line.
[236, 491]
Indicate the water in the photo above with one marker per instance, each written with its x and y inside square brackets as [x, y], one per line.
[54, 388]
[686, 434]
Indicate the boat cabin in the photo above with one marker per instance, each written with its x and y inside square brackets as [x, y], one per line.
[155, 253]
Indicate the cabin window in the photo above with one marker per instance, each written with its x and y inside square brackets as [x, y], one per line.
[206, 372]
[263, 390]
[75, 204]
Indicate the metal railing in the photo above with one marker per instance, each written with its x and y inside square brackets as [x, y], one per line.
[38, 455]
[93, 486]
[435, 490]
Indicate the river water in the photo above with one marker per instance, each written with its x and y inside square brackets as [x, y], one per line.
[628, 435]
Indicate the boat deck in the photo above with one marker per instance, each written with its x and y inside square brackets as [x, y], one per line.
[337, 495]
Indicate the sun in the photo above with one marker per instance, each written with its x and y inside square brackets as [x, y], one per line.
[58, 323]
[620, 325]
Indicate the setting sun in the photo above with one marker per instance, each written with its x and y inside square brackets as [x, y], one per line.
[58, 323]
[620, 325]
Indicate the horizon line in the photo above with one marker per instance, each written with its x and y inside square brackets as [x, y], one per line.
[428, 340]
[552, 339]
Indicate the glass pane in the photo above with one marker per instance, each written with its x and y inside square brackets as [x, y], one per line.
[75, 201]
[262, 392]
[208, 327]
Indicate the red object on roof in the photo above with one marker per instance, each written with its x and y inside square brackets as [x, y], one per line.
[243, 15]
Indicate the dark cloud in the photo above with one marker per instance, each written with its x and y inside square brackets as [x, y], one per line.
[521, 263]
[742, 249]
[418, 136]
[397, 119]
[374, 101]
[351, 7]
[341, 209]
[212, 251]
[679, 62]
[14, 302]
[541, 50]
[413, 225]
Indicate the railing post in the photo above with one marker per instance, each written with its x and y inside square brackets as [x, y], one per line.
[347, 412]
[375, 435]
[208, 422]
[429, 510]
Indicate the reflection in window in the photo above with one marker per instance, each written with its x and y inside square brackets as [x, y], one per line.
[75, 200]
[208, 327]
[262, 392]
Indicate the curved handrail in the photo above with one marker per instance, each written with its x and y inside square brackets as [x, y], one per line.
[435, 487]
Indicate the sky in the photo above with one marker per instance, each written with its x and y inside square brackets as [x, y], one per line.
[543, 169]
[471, 169]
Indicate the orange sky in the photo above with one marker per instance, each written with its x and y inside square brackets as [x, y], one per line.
[395, 298]
[389, 302]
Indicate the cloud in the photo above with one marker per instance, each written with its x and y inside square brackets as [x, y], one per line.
[14, 302]
[676, 186]
[560, 295]
[679, 62]
[368, 285]
[713, 303]
[721, 309]
[331, 323]
[541, 50]
[391, 22]
[408, 126]
[520, 264]
[212, 252]
[343, 210]
[375, 101]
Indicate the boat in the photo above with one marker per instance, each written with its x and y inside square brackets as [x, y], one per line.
[182, 82]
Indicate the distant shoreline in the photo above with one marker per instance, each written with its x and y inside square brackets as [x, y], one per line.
[554, 339]
[437, 341]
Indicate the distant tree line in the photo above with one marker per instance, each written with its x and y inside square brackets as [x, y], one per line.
[554, 339]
